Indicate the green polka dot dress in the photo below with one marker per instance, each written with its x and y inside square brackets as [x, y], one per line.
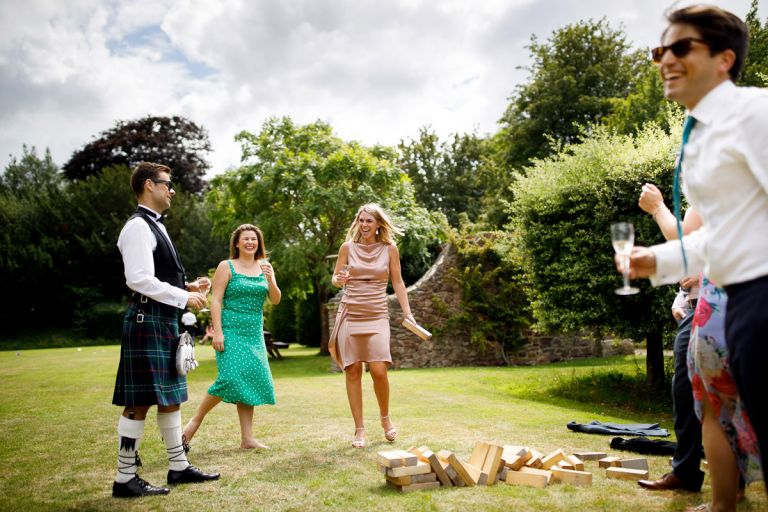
[244, 375]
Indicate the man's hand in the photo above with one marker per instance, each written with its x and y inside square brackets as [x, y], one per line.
[196, 300]
[642, 263]
[689, 282]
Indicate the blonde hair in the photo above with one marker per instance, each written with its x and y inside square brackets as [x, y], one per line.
[234, 250]
[386, 232]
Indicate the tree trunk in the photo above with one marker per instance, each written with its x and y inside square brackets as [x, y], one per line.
[654, 360]
[322, 298]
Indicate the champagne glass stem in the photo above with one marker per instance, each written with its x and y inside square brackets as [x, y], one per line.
[625, 270]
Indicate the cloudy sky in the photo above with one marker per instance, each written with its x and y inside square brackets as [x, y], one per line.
[377, 70]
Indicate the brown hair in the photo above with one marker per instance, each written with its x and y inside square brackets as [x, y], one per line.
[234, 251]
[145, 171]
[387, 230]
[720, 29]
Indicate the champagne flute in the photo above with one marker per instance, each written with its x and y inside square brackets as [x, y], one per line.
[204, 285]
[623, 239]
[344, 272]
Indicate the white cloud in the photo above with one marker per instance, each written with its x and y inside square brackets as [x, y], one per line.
[376, 70]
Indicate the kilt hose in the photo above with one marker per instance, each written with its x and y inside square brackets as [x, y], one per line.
[147, 373]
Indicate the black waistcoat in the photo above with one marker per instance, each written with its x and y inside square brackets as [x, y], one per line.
[168, 267]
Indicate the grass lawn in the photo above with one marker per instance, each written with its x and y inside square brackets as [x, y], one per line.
[58, 438]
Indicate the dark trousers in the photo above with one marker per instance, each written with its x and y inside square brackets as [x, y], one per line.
[685, 463]
[746, 333]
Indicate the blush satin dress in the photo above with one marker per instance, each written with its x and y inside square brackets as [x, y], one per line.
[361, 331]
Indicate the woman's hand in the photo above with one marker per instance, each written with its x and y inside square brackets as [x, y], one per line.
[410, 317]
[218, 342]
[269, 271]
[650, 199]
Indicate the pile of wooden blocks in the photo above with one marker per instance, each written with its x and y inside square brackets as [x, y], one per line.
[420, 468]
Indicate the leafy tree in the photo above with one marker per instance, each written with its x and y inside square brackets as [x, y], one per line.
[561, 218]
[575, 75]
[302, 186]
[756, 64]
[174, 141]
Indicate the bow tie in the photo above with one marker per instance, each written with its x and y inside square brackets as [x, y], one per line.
[160, 219]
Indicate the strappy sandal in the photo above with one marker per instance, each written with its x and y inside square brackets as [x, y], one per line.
[391, 434]
[359, 440]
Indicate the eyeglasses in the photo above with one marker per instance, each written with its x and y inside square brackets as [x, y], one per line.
[167, 183]
[679, 48]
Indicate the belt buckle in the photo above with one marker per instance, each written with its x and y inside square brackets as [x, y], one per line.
[143, 299]
[140, 318]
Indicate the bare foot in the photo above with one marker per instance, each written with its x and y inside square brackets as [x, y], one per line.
[253, 444]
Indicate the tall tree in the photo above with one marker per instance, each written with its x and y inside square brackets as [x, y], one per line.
[302, 185]
[174, 141]
[449, 176]
[574, 76]
[756, 65]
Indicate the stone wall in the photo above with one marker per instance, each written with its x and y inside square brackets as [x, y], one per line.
[455, 349]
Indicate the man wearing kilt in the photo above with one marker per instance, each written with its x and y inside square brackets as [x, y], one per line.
[147, 373]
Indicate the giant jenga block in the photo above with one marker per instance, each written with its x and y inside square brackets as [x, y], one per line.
[535, 460]
[450, 458]
[427, 455]
[637, 463]
[580, 478]
[515, 457]
[396, 458]
[414, 487]
[607, 462]
[590, 455]
[529, 477]
[452, 473]
[626, 474]
[564, 464]
[476, 474]
[419, 469]
[492, 463]
[576, 462]
[477, 461]
[552, 459]
[413, 479]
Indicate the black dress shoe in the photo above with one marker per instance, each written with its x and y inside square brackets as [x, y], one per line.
[136, 487]
[191, 475]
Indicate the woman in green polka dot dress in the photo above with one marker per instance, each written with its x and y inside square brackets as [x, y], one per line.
[240, 286]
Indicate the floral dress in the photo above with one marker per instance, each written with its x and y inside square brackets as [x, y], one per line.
[710, 373]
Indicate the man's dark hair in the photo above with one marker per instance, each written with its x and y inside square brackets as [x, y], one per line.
[721, 30]
[146, 171]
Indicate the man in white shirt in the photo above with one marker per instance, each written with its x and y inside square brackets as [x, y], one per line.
[147, 373]
[725, 164]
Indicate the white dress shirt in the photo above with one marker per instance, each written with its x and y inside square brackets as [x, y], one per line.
[137, 242]
[725, 169]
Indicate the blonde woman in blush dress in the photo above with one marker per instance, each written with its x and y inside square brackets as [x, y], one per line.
[367, 261]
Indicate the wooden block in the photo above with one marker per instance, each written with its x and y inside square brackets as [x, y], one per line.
[535, 471]
[638, 463]
[564, 464]
[626, 474]
[503, 474]
[450, 458]
[420, 468]
[477, 458]
[590, 455]
[567, 476]
[552, 459]
[414, 487]
[476, 474]
[492, 464]
[535, 460]
[511, 452]
[576, 462]
[425, 454]
[607, 462]
[413, 479]
[527, 479]
[396, 458]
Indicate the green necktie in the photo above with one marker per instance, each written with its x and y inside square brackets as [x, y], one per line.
[690, 122]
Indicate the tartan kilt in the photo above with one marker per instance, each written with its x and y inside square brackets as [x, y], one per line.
[147, 373]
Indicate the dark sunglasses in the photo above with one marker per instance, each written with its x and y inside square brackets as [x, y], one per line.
[679, 48]
[167, 183]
